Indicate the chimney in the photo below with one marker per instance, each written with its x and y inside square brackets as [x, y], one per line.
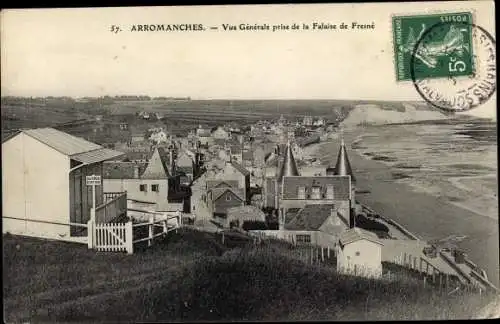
[172, 162]
[352, 216]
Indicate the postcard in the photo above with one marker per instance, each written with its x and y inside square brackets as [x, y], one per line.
[250, 162]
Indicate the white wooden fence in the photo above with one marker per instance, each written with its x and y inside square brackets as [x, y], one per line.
[112, 237]
[115, 237]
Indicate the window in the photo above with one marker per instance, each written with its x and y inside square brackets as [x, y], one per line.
[329, 192]
[303, 238]
[357, 253]
[316, 193]
[302, 193]
[228, 197]
[155, 188]
[143, 188]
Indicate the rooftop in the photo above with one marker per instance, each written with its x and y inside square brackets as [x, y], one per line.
[122, 170]
[341, 185]
[356, 234]
[310, 218]
[76, 148]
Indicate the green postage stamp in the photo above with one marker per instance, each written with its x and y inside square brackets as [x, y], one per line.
[440, 43]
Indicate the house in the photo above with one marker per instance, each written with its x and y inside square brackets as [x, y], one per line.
[247, 158]
[204, 136]
[359, 252]
[288, 189]
[137, 136]
[219, 133]
[235, 171]
[241, 214]
[315, 224]
[319, 122]
[137, 156]
[44, 182]
[222, 195]
[236, 152]
[185, 165]
[151, 182]
[159, 136]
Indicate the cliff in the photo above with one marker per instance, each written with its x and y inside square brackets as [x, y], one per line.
[375, 114]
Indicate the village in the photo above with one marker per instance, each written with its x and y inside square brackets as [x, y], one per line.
[258, 181]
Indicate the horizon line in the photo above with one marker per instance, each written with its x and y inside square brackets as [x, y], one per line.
[208, 98]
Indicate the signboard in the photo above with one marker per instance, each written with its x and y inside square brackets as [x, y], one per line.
[93, 180]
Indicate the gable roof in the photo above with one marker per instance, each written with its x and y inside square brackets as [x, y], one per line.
[61, 141]
[158, 165]
[121, 170]
[341, 185]
[356, 234]
[218, 192]
[289, 166]
[246, 213]
[310, 218]
[76, 148]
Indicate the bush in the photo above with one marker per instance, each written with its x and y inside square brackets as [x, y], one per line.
[254, 225]
[370, 225]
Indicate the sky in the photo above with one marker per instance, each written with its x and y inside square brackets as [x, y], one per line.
[72, 52]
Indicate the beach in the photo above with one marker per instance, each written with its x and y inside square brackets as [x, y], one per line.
[433, 198]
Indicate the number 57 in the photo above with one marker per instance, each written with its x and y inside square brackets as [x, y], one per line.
[454, 65]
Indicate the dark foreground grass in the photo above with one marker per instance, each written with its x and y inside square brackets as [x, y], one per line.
[191, 276]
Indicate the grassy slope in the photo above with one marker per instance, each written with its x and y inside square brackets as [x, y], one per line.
[190, 276]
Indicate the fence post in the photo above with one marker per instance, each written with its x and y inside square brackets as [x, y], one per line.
[129, 237]
[90, 234]
[322, 255]
[328, 252]
[404, 259]
[425, 279]
[420, 265]
[150, 230]
[165, 227]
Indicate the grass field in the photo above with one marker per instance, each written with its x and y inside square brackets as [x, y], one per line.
[191, 276]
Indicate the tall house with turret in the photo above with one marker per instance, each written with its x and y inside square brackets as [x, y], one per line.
[288, 190]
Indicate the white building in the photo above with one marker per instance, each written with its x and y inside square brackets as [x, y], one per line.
[359, 252]
[159, 137]
[148, 183]
[43, 182]
[220, 133]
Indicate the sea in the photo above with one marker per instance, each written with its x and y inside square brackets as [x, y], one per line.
[456, 161]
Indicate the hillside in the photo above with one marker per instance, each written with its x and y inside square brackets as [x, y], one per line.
[376, 114]
[23, 112]
[191, 276]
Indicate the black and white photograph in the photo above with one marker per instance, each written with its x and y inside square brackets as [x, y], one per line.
[285, 162]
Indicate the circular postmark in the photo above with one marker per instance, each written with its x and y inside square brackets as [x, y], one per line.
[466, 53]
